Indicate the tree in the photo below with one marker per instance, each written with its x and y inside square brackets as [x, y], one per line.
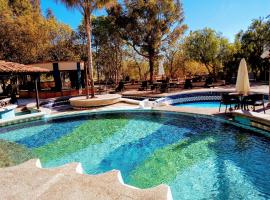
[108, 48]
[208, 47]
[231, 59]
[28, 37]
[134, 60]
[87, 7]
[177, 64]
[253, 41]
[147, 25]
[174, 59]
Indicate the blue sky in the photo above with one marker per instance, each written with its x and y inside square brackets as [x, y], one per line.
[225, 16]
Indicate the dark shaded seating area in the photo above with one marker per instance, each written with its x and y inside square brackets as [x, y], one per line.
[120, 87]
[209, 82]
[253, 100]
[163, 87]
[144, 86]
[242, 102]
[188, 84]
[229, 100]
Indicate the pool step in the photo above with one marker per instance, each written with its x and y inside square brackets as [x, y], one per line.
[30, 181]
[253, 119]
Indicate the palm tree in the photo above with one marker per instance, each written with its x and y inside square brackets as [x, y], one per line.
[87, 7]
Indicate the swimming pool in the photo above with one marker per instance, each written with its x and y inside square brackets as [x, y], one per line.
[198, 157]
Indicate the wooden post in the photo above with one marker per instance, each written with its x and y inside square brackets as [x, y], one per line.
[36, 88]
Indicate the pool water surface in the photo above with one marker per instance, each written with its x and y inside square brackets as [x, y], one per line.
[198, 157]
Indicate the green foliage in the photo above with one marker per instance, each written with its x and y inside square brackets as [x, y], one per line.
[147, 25]
[27, 37]
[253, 41]
[108, 48]
[208, 47]
[87, 7]
[20, 7]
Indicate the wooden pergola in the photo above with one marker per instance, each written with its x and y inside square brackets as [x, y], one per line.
[11, 68]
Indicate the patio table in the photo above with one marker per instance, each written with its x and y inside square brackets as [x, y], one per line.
[157, 85]
[241, 97]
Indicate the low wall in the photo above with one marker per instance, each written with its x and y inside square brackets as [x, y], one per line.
[51, 94]
[196, 97]
[100, 100]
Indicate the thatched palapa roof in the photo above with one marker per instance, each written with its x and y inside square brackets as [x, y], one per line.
[11, 67]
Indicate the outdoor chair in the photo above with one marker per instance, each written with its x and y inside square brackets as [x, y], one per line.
[153, 87]
[229, 100]
[209, 82]
[144, 86]
[188, 84]
[173, 86]
[254, 100]
[120, 87]
[163, 87]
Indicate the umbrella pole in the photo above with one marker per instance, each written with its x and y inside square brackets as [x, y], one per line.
[36, 88]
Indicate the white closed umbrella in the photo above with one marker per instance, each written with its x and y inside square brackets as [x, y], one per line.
[161, 71]
[242, 82]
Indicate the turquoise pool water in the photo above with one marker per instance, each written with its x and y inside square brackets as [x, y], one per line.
[199, 158]
[207, 104]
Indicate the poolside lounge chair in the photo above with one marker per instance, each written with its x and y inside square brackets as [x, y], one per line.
[254, 100]
[230, 100]
[144, 86]
[188, 84]
[120, 87]
[153, 87]
[209, 82]
[163, 87]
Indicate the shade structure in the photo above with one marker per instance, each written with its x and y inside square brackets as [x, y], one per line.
[242, 82]
[161, 71]
[17, 68]
[12, 67]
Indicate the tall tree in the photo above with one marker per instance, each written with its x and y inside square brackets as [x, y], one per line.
[87, 7]
[108, 47]
[26, 36]
[147, 25]
[208, 47]
[253, 41]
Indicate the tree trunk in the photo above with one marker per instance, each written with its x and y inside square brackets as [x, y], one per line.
[171, 69]
[140, 71]
[86, 78]
[151, 67]
[88, 22]
[211, 72]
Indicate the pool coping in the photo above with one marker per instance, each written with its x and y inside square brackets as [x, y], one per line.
[22, 119]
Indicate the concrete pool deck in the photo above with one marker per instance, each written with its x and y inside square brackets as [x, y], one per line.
[68, 182]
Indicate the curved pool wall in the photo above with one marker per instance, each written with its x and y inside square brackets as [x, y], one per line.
[190, 97]
[198, 156]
